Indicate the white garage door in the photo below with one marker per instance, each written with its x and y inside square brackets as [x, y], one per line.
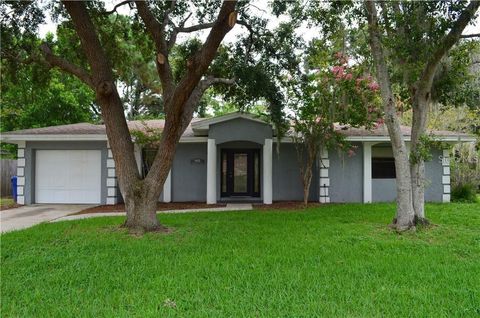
[67, 176]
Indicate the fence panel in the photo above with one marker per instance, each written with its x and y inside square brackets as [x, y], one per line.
[8, 168]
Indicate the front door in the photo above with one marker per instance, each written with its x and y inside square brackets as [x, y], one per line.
[240, 171]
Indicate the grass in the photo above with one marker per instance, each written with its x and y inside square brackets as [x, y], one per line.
[336, 260]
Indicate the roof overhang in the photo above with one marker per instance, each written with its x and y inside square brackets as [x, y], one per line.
[37, 137]
[201, 127]
[449, 139]
[51, 137]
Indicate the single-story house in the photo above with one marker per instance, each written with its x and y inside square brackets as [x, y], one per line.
[222, 159]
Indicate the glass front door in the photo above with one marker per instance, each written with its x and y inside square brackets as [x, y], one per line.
[240, 172]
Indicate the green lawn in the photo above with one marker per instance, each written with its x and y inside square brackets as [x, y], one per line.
[336, 260]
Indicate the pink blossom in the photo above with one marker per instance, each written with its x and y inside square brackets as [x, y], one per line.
[371, 109]
[348, 76]
[338, 71]
[351, 152]
[318, 119]
[379, 122]
[373, 86]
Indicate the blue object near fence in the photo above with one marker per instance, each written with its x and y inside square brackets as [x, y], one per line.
[14, 188]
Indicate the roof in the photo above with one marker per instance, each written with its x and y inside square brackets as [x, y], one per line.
[198, 128]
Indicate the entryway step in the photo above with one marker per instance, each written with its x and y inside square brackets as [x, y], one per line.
[239, 206]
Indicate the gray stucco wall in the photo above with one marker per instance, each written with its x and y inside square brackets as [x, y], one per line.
[32, 146]
[189, 179]
[240, 130]
[287, 181]
[384, 190]
[346, 176]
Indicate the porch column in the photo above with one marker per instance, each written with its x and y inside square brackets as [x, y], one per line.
[167, 188]
[267, 171]
[211, 172]
[367, 172]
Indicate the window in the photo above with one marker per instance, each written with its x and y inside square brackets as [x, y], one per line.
[383, 168]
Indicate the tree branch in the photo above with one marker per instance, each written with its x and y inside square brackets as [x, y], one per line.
[207, 82]
[157, 33]
[66, 66]
[199, 63]
[467, 36]
[446, 44]
[118, 5]
[198, 27]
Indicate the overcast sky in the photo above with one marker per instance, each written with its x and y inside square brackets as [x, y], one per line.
[262, 9]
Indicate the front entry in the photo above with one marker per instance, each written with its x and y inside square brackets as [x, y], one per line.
[240, 173]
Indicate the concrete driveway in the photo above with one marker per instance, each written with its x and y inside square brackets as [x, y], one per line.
[27, 216]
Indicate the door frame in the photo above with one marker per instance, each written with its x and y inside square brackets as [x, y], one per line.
[230, 153]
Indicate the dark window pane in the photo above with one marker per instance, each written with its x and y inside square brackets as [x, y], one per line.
[256, 172]
[383, 168]
[224, 172]
[240, 164]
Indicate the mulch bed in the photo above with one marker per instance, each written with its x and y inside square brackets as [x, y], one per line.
[286, 205]
[280, 205]
[160, 207]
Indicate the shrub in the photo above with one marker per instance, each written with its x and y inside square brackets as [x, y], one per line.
[464, 193]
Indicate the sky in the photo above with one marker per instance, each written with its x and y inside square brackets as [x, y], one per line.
[262, 9]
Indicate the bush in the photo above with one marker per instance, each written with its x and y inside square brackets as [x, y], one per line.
[464, 193]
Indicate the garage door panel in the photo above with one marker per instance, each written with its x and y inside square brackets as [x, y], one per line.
[68, 176]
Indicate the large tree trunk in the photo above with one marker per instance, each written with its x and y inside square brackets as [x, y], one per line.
[420, 108]
[141, 209]
[141, 196]
[307, 180]
[404, 218]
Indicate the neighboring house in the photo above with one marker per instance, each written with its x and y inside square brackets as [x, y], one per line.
[228, 158]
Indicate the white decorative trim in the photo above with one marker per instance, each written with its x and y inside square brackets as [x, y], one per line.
[20, 199]
[446, 176]
[111, 173]
[323, 192]
[446, 170]
[167, 188]
[211, 172]
[323, 173]
[446, 189]
[111, 192]
[445, 179]
[20, 181]
[21, 162]
[111, 201]
[110, 163]
[20, 171]
[324, 200]
[325, 163]
[19, 190]
[367, 172]
[21, 153]
[109, 153]
[111, 182]
[267, 172]
[324, 182]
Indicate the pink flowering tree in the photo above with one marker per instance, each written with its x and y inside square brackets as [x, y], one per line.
[331, 93]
